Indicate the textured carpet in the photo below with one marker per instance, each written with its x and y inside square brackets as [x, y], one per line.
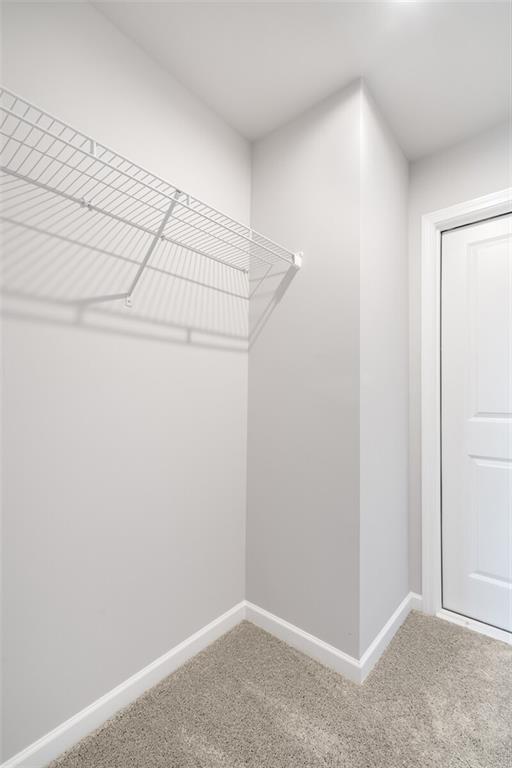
[440, 696]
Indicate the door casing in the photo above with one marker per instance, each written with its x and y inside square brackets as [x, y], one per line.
[432, 225]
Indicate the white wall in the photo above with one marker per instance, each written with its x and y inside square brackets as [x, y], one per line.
[472, 168]
[327, 458]
[124, 453]
[303, 434]
[328, 376]
[383, 374]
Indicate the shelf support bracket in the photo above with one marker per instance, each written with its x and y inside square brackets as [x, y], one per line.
[152, 247]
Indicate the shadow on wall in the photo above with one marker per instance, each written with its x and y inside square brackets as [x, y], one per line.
[65, 264]
[267, 286]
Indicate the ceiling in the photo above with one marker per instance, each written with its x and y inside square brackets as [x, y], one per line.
[440, 71]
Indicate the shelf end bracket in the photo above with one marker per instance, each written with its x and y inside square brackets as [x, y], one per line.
[297, 259]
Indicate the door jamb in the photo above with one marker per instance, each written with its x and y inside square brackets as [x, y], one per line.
[433, 225]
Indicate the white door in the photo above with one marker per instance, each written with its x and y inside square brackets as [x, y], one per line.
[476, 420]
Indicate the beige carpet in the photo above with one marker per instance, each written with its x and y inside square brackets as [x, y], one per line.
[440, 696]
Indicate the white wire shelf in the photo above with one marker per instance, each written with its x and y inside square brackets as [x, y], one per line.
[47, 157]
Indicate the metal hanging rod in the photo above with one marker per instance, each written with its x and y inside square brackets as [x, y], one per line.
[42, 152]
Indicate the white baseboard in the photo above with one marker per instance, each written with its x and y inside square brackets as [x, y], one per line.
[312, 646]
[348, 666]
[53, 744]
[416, 601]
[375, 650]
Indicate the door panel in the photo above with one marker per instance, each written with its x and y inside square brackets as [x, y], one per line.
[476, 421]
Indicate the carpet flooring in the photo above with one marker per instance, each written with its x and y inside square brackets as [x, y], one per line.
[441, 696]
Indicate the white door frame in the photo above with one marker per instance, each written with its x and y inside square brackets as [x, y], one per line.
[432, 225]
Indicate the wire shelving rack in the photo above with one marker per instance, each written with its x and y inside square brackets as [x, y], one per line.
[47, 157]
